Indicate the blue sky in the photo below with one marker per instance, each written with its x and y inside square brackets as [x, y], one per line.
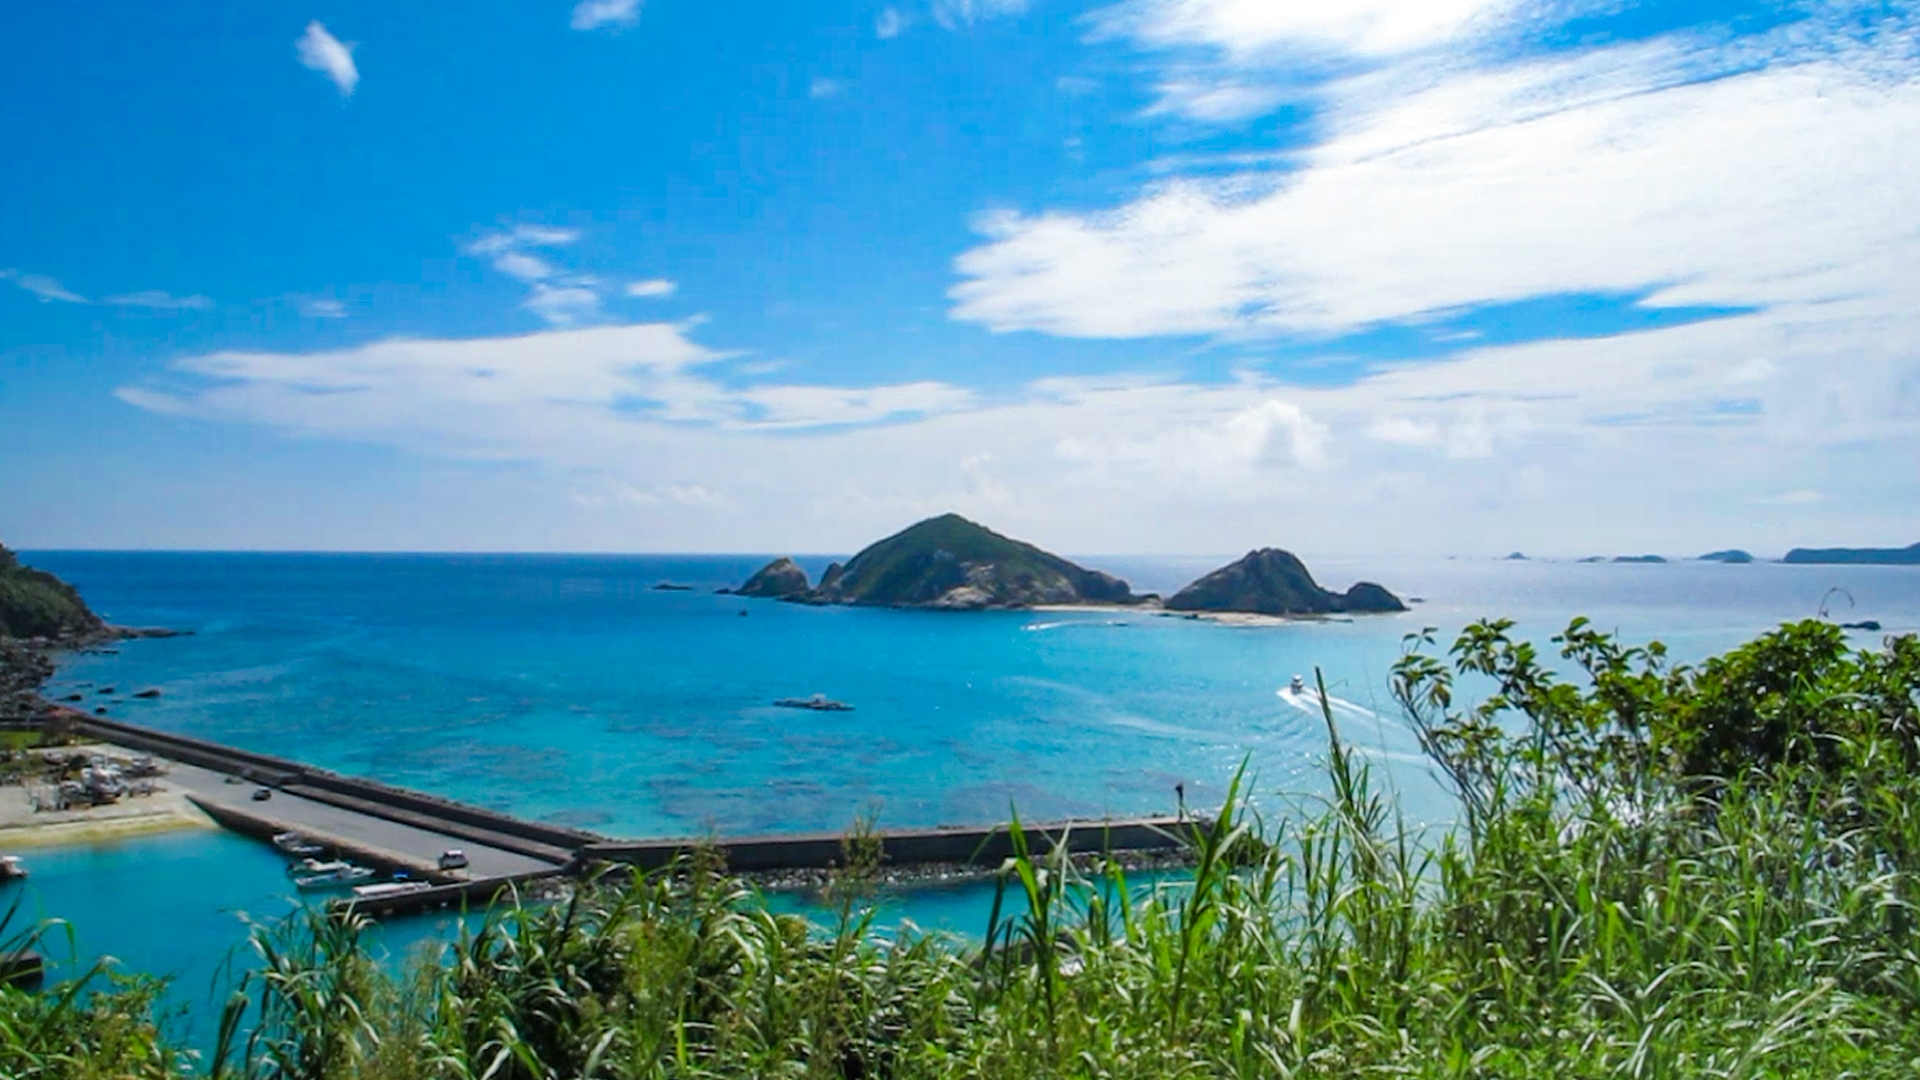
[1136, 276]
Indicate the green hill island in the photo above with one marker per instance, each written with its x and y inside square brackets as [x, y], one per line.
[951, 563]
[1906, 556]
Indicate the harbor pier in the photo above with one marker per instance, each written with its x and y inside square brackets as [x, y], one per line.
[405, 833]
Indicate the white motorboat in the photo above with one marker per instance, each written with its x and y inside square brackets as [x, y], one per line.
[12, 869]
[1298, 686]
[334, 876]
[388, 888]
[296, 845]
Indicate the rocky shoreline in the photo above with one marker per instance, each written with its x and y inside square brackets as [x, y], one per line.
[27, 663]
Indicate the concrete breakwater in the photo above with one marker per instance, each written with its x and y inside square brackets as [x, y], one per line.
[394, 829]
[907, 847]
[548, 843]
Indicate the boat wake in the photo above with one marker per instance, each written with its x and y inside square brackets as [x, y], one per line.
[1309, 701]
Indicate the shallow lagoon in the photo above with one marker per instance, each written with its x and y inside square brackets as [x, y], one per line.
[567, 688]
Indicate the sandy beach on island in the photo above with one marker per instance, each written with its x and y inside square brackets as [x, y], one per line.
[1225, 618]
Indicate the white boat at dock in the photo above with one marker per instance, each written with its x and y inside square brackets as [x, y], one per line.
[314, 874]
[297, 845]
[333, 879]
[11, 868]
[388, 888]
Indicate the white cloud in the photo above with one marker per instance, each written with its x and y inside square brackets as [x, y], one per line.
[321, 307]
[888, 24]
[1245, 28]
[816, 406]
[1801, 497]
[1215, 102]
[1224, 449]
[40, 285]
[1556, 446]
[1552, 177]
[594, 14]
[517, 397]
[521, 236]
[560, 300]
[652, 289]
[161, 301]
[519, 264]
[565, 304]
[825, 88]
[322, 52]
[953, 14]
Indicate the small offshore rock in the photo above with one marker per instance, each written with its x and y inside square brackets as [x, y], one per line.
[780, 579]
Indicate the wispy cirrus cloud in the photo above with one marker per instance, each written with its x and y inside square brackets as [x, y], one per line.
[953, 14]
[320, 51]
[45, 288]
[1251, 28]
[321, 307]
[600, 14]
[1610, 170]
[561, 299]
[888, 24]
[159, 300]
[516, 396]
[652, 289]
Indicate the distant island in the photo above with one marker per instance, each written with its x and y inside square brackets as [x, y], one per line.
[1906, 556]
[1730, 556]
[1517, 556]
[1275, 582]
[1638, 559]
[951, 563]
[946, 563]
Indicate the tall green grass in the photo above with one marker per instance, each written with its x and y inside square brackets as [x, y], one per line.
[1659, 872]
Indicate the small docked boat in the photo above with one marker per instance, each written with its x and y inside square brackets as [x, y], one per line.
[12, 869]
[298, 846]
[332, 875]
[388, 888]
[818, 703]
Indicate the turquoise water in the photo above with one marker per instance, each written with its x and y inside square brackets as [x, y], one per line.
[566, 688]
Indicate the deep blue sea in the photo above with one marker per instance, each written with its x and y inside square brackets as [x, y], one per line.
[567, 688]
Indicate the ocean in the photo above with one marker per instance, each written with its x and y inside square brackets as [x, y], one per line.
[569, 689]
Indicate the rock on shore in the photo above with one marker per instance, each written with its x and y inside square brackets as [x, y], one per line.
[781, 579]
[1274, 582]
